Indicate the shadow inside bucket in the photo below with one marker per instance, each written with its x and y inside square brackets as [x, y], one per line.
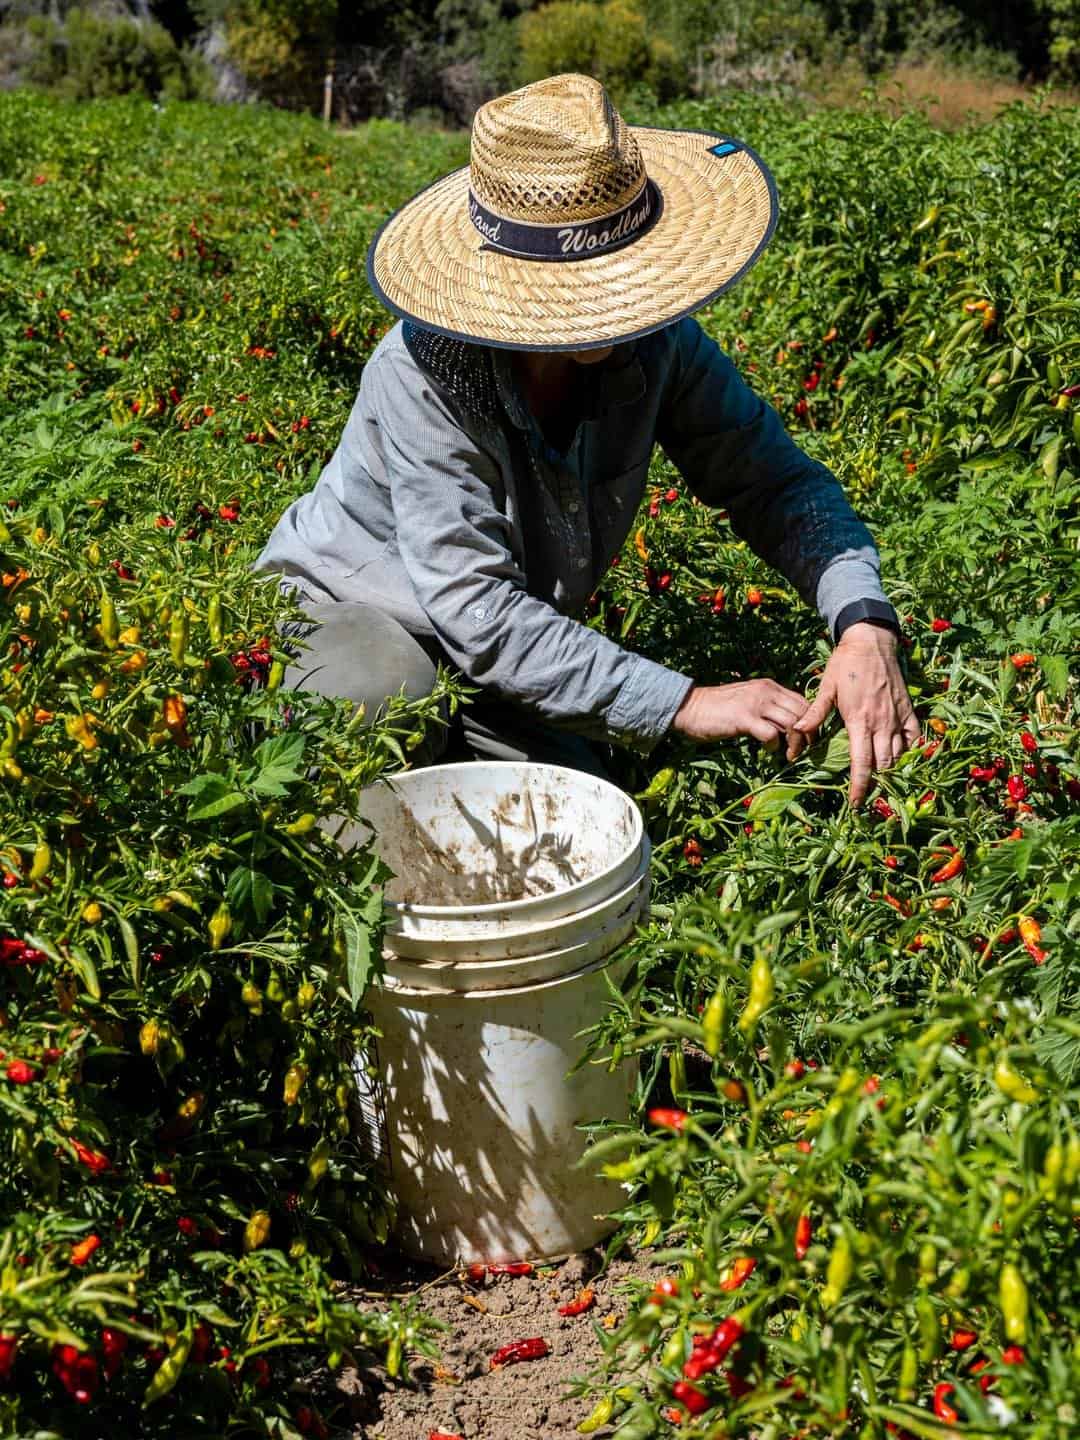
[495, 867]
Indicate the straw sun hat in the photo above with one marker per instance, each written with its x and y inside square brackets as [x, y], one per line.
[570, 230]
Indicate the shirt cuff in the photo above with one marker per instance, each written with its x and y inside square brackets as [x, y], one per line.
[642, 712]
[855, 575]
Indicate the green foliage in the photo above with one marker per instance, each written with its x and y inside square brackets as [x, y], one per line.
[89, 55]
[913, 1083]
[183, 943]
[609, 41]
[179, 293]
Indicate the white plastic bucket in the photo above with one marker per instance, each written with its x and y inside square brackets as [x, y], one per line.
[485, 850]
[474, 1114]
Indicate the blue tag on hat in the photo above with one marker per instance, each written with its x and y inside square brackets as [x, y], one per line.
[726, 147]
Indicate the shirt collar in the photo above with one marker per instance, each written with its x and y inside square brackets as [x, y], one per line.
[619, 380]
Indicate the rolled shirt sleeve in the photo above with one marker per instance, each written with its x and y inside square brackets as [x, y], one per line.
[733, 450]
[455, 541]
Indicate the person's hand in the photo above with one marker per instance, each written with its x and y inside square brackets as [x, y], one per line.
[863, 681]
[760, 708]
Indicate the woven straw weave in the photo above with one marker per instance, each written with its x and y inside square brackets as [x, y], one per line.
[534, 159]
[430, 263]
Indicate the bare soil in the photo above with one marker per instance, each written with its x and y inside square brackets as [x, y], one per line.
[459, 1394]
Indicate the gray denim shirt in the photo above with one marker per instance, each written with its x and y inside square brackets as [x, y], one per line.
[444, 506]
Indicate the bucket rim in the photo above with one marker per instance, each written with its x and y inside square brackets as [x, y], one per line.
[490, 910]
[414, 992]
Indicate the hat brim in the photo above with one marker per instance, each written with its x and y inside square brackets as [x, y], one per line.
[427, 262]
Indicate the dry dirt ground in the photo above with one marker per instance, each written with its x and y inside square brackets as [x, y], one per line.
[459, 1394]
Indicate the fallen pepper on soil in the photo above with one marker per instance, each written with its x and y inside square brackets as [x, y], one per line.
[532, 1349]
[584, 1300]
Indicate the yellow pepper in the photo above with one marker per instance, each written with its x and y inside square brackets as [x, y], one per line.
[220, 926]
[256, 1231]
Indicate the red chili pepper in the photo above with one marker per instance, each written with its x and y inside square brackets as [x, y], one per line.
[726, 1335]
[942, 1409]
[962, 1340]
[443, 1435]
[668, 1119]
[1017, 788]
[949, 871]
[113, 1345]
[1014, 1355]
[737, 1385]
[77, 1372]
[83, 1249]
[1023, 661]
[201, 1344]
[702, 1362]
[986, 1382]
[9, 1346]
[477, 1273]
[695, 1400]
[882, 809]
[902, 907]
[534, 1349]
[1028, 741]
[804, 1230]
[741, 1271]
[983, 772]
[94, 1160]
[514, 1267]
[1030, 935]
[584, 1300]
[939, 626]
[664, 1289]
[20, 1073]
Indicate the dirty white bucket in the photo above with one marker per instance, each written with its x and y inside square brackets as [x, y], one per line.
[474, 1114]
[487, 850]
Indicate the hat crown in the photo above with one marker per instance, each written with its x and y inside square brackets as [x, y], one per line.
[554, 152]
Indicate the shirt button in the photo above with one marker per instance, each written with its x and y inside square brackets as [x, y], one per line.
[573, 507]
[580, 563]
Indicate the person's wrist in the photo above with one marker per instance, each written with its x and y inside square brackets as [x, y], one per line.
[860, 612]
[683, 720]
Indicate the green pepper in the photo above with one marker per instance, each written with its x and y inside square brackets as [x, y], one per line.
[169, 1371]
[929, 1329]
[179, 632]
[839, 1272]
[714, 1023]
[762, 993]
[39, 867]
[110, 626]
[909, 1373]
[214, 621]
